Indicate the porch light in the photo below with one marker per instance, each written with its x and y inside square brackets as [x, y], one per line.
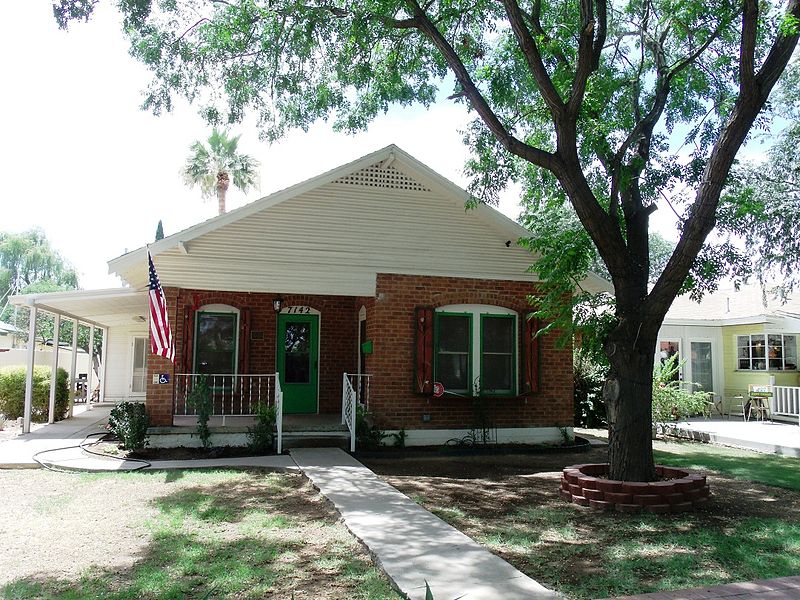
[277, 303]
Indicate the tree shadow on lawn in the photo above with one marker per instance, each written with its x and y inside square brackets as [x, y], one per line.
[249, 537]
[746, 531]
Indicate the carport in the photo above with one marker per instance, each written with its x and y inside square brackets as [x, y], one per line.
[97, 309]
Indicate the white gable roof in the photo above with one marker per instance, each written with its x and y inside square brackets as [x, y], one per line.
[383, 213]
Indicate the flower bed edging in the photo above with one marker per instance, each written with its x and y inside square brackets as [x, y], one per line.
[680, 491]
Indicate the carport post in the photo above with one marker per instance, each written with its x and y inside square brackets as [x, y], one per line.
[73, 366]
[26, 419]
[104, 354]
[51, 413]
[91, 369]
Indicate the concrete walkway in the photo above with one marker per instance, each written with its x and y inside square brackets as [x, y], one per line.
[762, 436]
[18, 452]
[410, 544]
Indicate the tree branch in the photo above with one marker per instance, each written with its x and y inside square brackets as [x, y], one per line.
[530, 50]
[747, 49]
[530, 153]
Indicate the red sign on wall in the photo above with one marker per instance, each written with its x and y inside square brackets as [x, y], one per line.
[438, 389]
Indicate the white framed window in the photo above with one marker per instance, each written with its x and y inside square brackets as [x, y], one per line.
[139, 366]
[760, 352]
[475, 350]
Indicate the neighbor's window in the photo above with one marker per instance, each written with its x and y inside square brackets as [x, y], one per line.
[476, 350]
[215, 343]
[139, 374]
[774, 351]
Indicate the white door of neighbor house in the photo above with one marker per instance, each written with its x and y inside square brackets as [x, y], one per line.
[702, 365]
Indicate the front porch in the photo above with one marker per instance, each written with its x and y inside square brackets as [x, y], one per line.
[768, 437]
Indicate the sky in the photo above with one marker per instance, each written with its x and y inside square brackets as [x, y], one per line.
[82, 161]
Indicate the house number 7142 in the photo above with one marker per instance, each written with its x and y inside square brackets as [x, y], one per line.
[298, 310]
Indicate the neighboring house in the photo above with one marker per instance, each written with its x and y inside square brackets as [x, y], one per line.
[734, 339]
[370, 280]
[8, 333]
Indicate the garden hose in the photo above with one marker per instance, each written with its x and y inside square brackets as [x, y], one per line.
[83, 447]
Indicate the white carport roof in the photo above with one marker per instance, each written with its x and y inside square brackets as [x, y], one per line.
[104, 308]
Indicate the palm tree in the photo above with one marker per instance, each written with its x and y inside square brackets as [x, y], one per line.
[212, 166]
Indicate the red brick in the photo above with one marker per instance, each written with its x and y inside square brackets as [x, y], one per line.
[580, 500]
[601, 505]
[648, 499]
[609, 485]
[634, 487]
[681, 507]
[663, 488]
[593, 494]
[619, 498]
[575, 490]
[675, 498]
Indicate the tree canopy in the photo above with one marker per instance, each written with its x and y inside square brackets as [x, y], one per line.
[616, 108]
[28, 259]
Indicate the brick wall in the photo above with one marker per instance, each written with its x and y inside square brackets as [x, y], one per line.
[391, 327]
[338, 341]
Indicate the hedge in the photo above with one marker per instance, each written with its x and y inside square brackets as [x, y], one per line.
[12, 393]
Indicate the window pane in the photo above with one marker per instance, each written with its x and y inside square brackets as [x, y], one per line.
[452, 371]
[139, 375]
[453, 333]
[215, 347]
[759, 348]
[666, 350]
[498, 334]
[497, 373]
[702, 366]
[138, 353]
[789, 352]
[298, 352]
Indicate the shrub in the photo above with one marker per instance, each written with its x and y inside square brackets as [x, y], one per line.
[368, 436]
[129, 422]
[261, 437]
[588, 377]
[201, 399]
[671, 400]
[12, 393]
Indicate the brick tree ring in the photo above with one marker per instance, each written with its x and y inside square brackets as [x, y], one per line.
[678, 491]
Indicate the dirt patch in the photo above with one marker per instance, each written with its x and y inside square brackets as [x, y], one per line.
[13, 428]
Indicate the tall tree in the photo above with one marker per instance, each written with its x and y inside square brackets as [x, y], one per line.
[27, 259]
[212, 167]
[159, 231]
[582, 100]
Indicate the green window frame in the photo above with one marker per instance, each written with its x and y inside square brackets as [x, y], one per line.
[202, 345]
[479, 355]
[486, 355]
[440, 355]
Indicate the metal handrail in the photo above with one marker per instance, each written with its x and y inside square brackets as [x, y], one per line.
[349, 409]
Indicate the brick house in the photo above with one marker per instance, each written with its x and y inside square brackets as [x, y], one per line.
[370, 283]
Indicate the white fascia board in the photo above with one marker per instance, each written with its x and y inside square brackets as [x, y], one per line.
[754, 320]
[122, 263]
[694, 322]
[105, 294]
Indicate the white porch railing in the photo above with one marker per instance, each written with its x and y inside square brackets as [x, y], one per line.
[786, 401]
[349, 409]
[234, 395]
[355, 391]
[279, 412]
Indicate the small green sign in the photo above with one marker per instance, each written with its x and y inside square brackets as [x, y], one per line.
[366, 347]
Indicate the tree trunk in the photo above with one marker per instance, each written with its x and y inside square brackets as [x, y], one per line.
[223, 181]
[628, 396]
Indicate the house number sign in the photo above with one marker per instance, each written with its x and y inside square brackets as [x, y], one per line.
[296, 310]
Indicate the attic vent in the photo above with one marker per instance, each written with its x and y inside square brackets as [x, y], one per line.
[382, 177]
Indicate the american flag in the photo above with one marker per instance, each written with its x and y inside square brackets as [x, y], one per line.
[161, 342]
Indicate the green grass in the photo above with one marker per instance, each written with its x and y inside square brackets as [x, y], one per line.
[588, 555]
[226, 535]
[771, 469]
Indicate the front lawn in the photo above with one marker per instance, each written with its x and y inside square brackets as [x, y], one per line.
[510, 504]
[180, 534]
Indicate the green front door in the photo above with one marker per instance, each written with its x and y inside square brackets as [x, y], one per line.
[298, 345]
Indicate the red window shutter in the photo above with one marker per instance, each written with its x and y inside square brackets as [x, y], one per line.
[423, 350]
[188, 338]
[530, 350]
[244, 340]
